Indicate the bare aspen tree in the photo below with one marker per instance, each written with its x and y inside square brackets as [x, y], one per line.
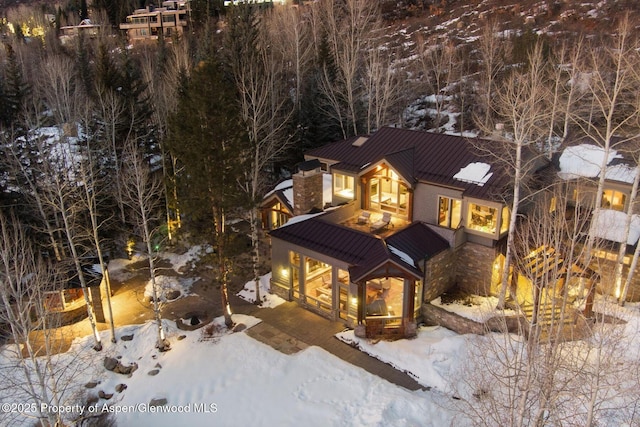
[92, 191]
[349, 27]
[440, 68]
[163, 84]
[383, 86]
[492, 50]
[51, 174]
[258, 73]
[24, 281]
[622, 284]
[560, 368]
[110, 109]
[613, 109]
[288, 31]
[60, 170]
[520, 104]
[143, 194]
[18, 163]
[58, 89]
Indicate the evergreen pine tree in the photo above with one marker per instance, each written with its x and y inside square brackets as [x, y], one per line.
[16, 89]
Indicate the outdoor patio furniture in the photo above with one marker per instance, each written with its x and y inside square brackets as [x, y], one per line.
[382, 223]
[364, 217]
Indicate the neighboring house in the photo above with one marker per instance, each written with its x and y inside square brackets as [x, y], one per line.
[69, 33]
[579, 168]
[147, 24]
[412, 213]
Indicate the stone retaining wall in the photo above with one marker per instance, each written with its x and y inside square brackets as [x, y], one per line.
[437, 316]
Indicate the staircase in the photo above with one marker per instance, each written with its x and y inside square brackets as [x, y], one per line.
[554, 325]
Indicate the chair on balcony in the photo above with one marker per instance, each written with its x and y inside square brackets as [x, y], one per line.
[382, 223]
[364, 217]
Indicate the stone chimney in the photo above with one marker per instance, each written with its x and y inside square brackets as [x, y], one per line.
[307, 188]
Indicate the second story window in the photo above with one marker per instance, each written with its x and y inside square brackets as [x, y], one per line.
[449, 212]
[482, 218]
[343, 186]
[615, 200]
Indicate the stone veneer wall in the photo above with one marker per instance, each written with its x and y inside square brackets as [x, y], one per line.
[307, 191]
[440, 275]
[473, 268]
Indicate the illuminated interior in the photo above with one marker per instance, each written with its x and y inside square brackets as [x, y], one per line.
[343, 186]
[615, 200]
[387, 192]
[449, 212]
[384, 297]
[482, 218]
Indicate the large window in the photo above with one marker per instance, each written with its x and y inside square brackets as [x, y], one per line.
[343, 186]
[449, 212]
[481, 218]
[387, 192]
[384, 297]
[277, 217]
[615, 200]
[318, 284]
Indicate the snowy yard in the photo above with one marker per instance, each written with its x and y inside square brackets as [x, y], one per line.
[231, 379]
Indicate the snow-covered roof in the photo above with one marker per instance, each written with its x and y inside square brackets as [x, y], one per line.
[475, 173]
[585, 160]
[403, 256]
[610, 225]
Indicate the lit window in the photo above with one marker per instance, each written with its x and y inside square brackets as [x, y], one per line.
[449, 212]
[343, 186]
[615, 200]
[505, 218]
[481, 218]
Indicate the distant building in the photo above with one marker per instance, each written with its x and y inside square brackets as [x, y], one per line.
[71, 32]
[147, 24]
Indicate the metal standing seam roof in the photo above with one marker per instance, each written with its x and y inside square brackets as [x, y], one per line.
[363, 251]
[436, 158]
[418, 241]
[333, 240]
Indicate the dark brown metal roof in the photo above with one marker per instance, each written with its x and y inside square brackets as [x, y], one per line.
[418, 241]
[334, 240]
[436, 158]
[362, 251]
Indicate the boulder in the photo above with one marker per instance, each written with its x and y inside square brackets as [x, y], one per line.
[110, 363]
[158, 402]
[105, 396]
[127, 337]
[121, 387]
[153, 372]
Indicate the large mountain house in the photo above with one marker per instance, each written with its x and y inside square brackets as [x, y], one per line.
[411, 213]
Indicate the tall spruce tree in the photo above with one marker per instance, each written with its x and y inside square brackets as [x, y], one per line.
[206, 136]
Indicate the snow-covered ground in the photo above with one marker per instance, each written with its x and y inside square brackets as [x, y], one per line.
[269, 300]
[231, 380]
[228, 379]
